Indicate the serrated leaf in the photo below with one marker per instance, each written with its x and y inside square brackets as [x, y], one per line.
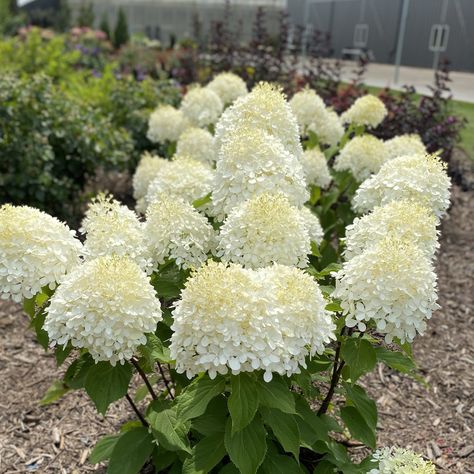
[131, 452]
[395, 360]
[205, 455]
[247, 447]
[276, 394]
[170, 431]
[366, 406]
[310, 426]
[61, 353]
[214, 419]
[334, 307]
[284, 428]
[201, 201]
[55, 391]
[275, 463]
[76, 373]
[357, 426]
[162, 458]
[243, 401]
[154, 350]
[103, 449]
[105, 383]
[195, 397]
[359, 355]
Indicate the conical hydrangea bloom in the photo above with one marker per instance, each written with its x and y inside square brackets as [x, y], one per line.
[405, 220]
[416, 177]
[201, 106]
[328, 128]
[148, 168]
[308, 107]
[402, 145]
[316, 168]
[366, 110]
[264, 230]
[362, 156]
[252, 162]
[107, 306]
[316, 232]
[175, 230]
[228, 87]
[36, 250]
[391, 283]
[198, 144]
[241, 320]
[401, 461]
[264, 109]
[113, 229]
[166, 124]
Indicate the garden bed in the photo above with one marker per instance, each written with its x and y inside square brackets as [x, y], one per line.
[436, 420]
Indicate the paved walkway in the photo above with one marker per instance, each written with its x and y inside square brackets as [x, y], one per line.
[382, 75]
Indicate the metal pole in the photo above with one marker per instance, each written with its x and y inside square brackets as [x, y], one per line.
[400, 39]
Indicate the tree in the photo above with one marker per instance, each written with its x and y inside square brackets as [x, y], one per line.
[121, 29]
[104, 25]
[86, 15]
[63, 16]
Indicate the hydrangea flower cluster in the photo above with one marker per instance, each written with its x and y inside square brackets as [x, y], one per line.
[367, 110]
[228, 87]
[363, 156]
[148, 168]
[265, 108]
[183, 178]
[230, 318]
[265, 229]
[202, 106]
[315, 167]
[421, 178]
[391, 283]
[113, 229]
[175, 230]
[329, 130]
[252, 162]
[405, 220]
[106, 305]
[36, 250]
[400, 461]
[166, 124]
[315, 230]
[407, 144]
[198, 144]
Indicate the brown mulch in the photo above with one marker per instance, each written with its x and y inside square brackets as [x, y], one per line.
[437, 420]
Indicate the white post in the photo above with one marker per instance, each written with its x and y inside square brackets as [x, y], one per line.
[400, 39]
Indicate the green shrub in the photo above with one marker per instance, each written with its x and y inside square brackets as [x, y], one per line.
[49, 145]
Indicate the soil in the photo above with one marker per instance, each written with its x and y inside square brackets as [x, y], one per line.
[436, 420]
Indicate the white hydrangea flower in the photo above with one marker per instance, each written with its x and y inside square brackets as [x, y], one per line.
[252, 162]
[36, 250]
[403, 219]
[391, 283]
[184, 178]
[315, 167]
[363, 156]
[242, 320]
[267, 110]
[113, 229]
[421, 178]
[328, 128]
[202, 106]
[366, 110]
[265, 229]
[166, 124]
[175, 230]
[198, 144]
[107, 306]
[407, 144]
[316, 232]
[401, 461]
[228, 87]
[148, 168]
[308, 108]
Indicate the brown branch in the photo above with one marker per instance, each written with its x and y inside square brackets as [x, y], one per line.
[145, 379]
[137, 411]
[165, 380]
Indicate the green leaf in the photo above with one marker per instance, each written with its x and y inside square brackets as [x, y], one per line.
[195, 397]
[243, 401]
[332, 267]
[162, 458]
[285, 429]
[142, 390]
[76, 373]
[359, 355]
[29, 306]
[276, 394]
[366, 406]
[169, 281]
[214, 419]
[247, 447]
[170, 431]
[334, 307]
[311, 427]
[54, 392]
[315, 194]
[205, 455]
[276, 463]
[395, 360]
[103, 448]
[105, 383]
[325, 467]
[61, 353]
[41, 335]
[315, 251]
[154, 350]
[358, 427]
[131, 452]
[201, 201]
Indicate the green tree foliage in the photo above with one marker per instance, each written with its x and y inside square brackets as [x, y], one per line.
[104, 25]
[121, 35]
[86, 15]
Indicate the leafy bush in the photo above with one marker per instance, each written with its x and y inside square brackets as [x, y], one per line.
[49, 145]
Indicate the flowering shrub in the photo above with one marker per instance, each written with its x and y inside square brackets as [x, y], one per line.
[247, 298]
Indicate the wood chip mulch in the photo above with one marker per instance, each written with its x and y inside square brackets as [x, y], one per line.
[436, 420]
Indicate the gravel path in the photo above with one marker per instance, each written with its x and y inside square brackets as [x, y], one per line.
[437, 420]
